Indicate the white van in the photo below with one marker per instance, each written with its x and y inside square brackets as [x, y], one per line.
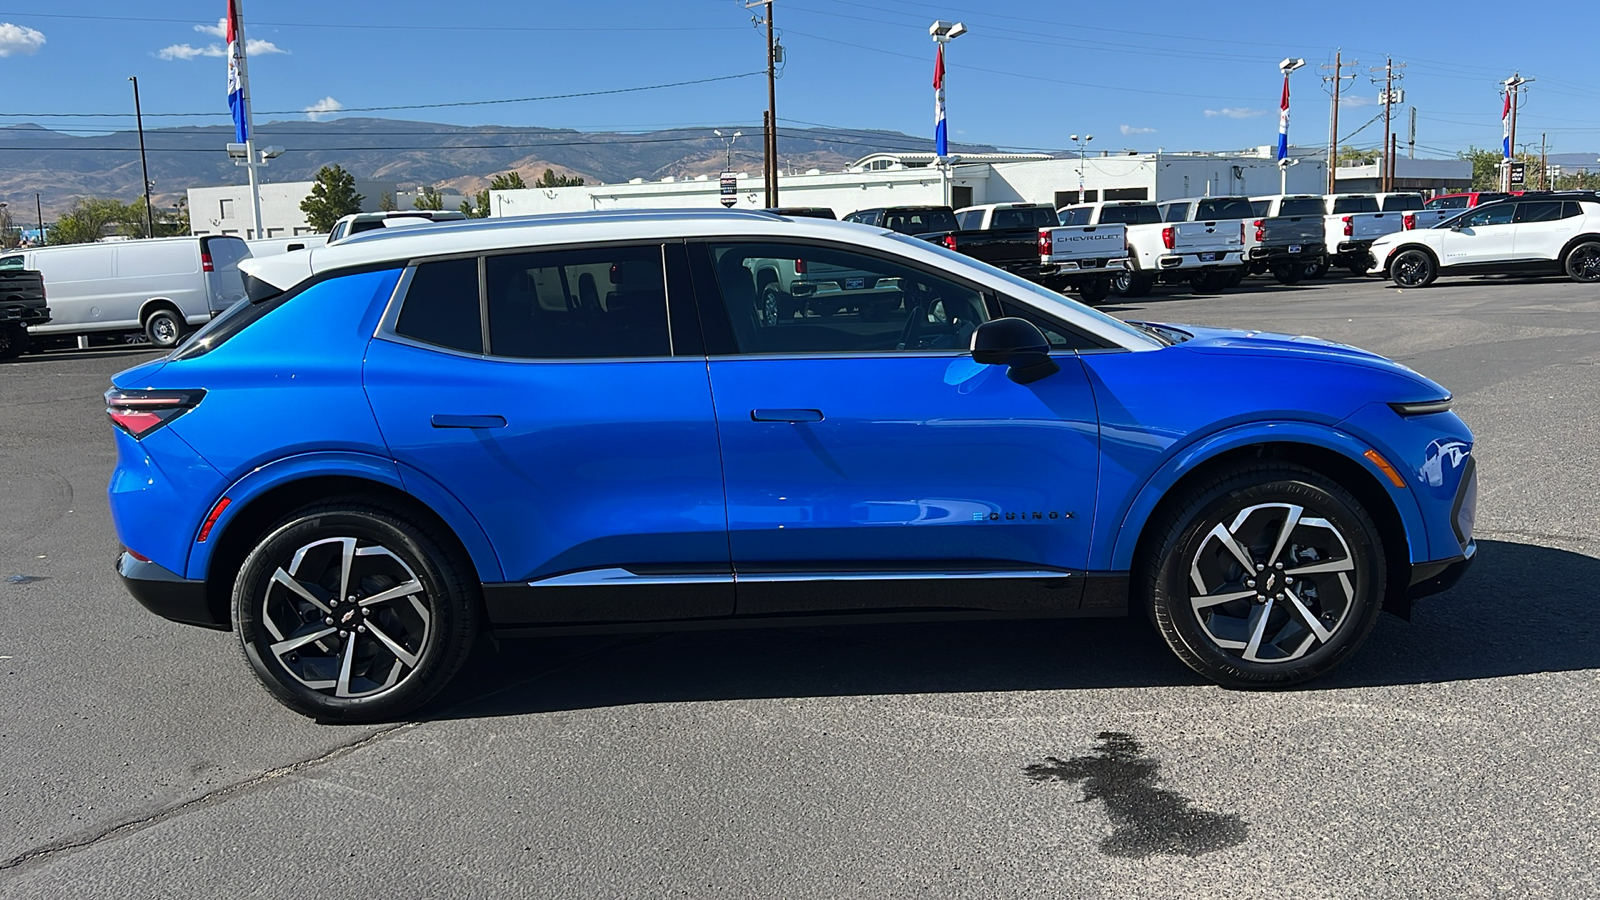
[161, 287]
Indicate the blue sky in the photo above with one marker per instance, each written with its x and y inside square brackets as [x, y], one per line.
[1174, 75]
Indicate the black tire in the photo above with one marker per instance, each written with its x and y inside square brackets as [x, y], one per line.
[1237, 278]
[13, 341]
[1288, 273]
[1358, 269]
[1315, 269]
[1251, 503]
[1095, 291]
[1583, 262]
[164, 328]
[432, 627]
[1210, 281]
[1413, 269]
[1131, 284]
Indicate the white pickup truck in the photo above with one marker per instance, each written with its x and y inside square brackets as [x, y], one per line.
[1204, 254]
[1352, 222]
[1086, 258]
[1413, 214]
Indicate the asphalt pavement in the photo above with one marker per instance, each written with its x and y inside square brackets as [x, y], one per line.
[1455, 756]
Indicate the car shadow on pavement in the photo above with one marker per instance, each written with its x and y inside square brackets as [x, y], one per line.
[56, 356]
[1522, 609]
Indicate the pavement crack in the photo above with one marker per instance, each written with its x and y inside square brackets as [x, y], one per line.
[220, 795]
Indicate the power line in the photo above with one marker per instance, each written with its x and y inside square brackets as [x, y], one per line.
[369, 26]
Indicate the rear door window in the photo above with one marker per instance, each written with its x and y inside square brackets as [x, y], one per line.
[1539, 211]
[605, 303]
[441, 306]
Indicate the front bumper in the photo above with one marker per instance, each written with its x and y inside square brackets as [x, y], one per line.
[1434, 577]
[166, 594]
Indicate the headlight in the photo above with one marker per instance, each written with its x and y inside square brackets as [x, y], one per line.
[1422, 407]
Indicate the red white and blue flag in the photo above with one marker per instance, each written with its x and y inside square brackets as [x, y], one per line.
[1505, 126]
[941, 137]
[236, 101]
[1283, 123]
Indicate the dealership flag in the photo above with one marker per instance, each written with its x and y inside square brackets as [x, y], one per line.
[1283, 122]
[1505, 126]
[941, 137]
[236, 101]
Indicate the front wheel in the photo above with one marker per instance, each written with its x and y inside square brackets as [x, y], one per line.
[163, 327]
[1583, 263]
[347, 612]
[1269, 574]
[1413, 269]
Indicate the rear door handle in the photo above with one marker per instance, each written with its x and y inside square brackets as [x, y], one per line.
[447, 421]
[792, 416]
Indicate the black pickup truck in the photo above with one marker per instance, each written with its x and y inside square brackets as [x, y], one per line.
[1004, 235]
[22, 304]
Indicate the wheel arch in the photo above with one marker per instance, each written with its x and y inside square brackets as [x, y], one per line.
[257, 502]
[1399, 527]
[1395, 253]
[1572, 244]
[156, 303]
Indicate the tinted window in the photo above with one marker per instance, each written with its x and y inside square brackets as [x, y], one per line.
[1347, 205]
[968, 219]
[11, 262]
[579, 304]
[441, 306]
[1177, 212]
[1060, 336]
[1541, 211]
[227, 251]
[1129, 215]
[1024, 217]
[1304, 206]
[1458, 202]
[1402, 203]
[792, 298]
[1499, 214]
[1259, 207]
[1226, 208]
[1568, 210]
[1490, 197]
[1079, 216]
[920, 221]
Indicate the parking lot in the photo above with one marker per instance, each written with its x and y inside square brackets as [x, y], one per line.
[1453, 757]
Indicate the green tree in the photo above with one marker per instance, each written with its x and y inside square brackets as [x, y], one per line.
[174, 220]
[1486, 170]
[478, 206]
[386, 202]
[551, 180]
[512, 181]
[429, 198]
[1350, 156]
[92, 218]
[333, 196]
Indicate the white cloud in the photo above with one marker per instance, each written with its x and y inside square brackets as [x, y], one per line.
[19, 39]
[254, 47]
[187, 51]
[219, 30]
[1235, 112]
[1356, 101]
[321, 109]
[1134, 129]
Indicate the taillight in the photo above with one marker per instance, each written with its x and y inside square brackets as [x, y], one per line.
[140, 412]
[1241, 232]
[1410, 219]
[799, 267]
[1047, 243]
[205, 262]
[1168, 237]
[1349, 229]
[1261, 231]
[950, 242]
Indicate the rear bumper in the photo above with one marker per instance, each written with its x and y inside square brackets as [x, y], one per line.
[1282, 252]
[1434, 577]
[1351, 248]
[166, 594]
[26, 315]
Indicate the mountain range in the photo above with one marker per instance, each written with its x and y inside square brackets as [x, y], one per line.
[456, 159]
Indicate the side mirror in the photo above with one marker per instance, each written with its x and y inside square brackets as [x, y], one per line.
[1017, 344]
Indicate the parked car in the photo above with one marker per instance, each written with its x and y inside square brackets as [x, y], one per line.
[912, 220]
[1352, 222]
[358, 223]
[161, 287]
[1413, 212]
[1534, 233]
[1005, 235]
[1204, 254]
[1465, 200]
[260, 247]
[22, 304]
[668, 460]
[805, 212]
[1283, 246]
[1287, 222]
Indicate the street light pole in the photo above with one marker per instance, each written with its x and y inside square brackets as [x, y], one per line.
[1287, 66]
[144, 166]
[1081, 143]
[942, 33]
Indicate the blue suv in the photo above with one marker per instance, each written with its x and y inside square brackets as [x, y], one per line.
[691, 419]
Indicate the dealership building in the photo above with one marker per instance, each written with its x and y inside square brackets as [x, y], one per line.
[916, 179]
[226, 209]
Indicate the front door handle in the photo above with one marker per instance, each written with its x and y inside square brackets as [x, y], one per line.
[448, 421]
[792, 416]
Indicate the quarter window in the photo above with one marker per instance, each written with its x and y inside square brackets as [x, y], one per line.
[795, 298]
[578, 304]
[441, 306]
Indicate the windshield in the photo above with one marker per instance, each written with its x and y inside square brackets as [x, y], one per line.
[1036, 294]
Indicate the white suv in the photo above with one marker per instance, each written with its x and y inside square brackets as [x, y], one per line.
[1534, 233]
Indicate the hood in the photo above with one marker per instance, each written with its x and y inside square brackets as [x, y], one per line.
[1288, 346]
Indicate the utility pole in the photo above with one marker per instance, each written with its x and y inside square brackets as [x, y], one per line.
[38, 207]
[138, 115]
[1337, 78]
[1544, 163]
[1411, 134]
[774, 53]
[1513, 89]
[1389, 99]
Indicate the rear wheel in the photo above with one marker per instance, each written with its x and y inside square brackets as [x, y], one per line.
[1092, 292]
[1237, 278]
[1132, 284]
[1288, 273]
[1583, 263]
[1315, 269]
[1413, 269]
[1209, 281]
[1269, 574]
[13, 341]
[347, 612]
[163, 328]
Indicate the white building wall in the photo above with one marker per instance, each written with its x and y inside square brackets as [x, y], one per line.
[226, 209]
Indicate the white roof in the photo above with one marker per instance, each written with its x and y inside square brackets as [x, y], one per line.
[401, 246]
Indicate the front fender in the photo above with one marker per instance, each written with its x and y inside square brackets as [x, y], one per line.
[1129, 525]
[263, 479]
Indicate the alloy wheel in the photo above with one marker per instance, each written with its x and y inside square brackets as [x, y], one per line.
[1411, 270]
[1272, 583]
[1584, 264]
